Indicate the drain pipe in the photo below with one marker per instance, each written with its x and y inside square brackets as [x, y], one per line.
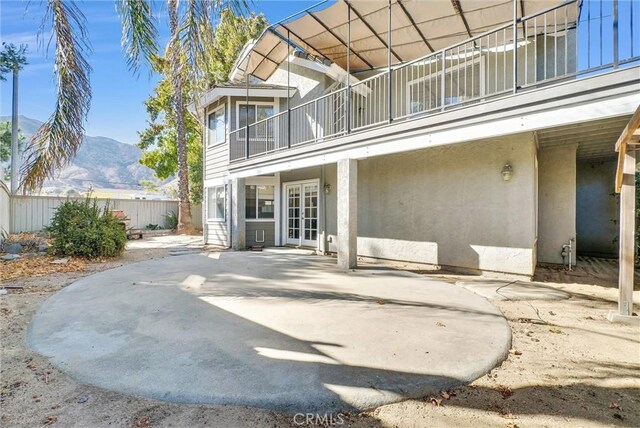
[567, 252]
[321, 191]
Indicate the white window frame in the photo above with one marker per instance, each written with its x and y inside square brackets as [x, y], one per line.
[224, 116]
[450, 69]
[273, 104]
[265, 181]
[275, 202]
[224, 212]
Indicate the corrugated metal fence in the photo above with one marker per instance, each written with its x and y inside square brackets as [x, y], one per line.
[5, 208]
[33, 213]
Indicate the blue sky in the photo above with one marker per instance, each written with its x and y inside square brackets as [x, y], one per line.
[117, 109]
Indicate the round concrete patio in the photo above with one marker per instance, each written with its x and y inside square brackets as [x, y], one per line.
[280, 329]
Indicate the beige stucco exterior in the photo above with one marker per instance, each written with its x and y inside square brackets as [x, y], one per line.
[557, 201]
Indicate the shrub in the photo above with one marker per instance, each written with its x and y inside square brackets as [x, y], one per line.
[83, 229]
[171, 220]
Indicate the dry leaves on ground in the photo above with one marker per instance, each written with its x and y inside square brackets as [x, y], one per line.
[38, 266]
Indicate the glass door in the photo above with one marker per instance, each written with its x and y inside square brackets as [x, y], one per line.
[302, 214]
[293, 213]
[310, 215]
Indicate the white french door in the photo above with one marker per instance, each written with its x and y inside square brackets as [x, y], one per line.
[302, 213]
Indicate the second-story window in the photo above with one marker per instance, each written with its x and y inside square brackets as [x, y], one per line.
[217, 127]
[253, 113]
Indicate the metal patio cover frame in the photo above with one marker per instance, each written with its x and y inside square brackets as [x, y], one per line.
[419, 27]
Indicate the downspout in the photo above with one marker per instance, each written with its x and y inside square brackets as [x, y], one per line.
[324, 210]
[205, 135]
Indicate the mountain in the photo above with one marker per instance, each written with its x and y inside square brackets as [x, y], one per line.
[100, 163]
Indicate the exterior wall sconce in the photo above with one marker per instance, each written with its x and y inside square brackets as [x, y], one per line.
[507, 172]
[327, 188]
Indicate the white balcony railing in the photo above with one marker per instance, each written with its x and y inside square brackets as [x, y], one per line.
[565, 41]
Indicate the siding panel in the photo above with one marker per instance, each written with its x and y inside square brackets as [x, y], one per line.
[268, 227]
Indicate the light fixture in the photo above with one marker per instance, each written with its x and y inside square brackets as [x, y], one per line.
[327, 188]
[507, 172]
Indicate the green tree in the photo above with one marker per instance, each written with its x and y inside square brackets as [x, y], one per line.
[56, 142]
[149, 186]
[231, 34]
[12, 58]
[5, 146]
[159, 140]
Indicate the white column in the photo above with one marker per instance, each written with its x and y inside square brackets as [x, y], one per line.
[238, 214]
[347, 213]
[627, 234]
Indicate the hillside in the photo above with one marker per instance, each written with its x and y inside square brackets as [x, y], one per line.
[101, 162]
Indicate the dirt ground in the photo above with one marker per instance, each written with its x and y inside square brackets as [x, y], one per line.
[569, 366]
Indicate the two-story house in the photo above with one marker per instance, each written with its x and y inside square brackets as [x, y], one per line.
[476, 135]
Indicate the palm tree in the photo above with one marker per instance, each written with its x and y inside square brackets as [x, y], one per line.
[56, 142]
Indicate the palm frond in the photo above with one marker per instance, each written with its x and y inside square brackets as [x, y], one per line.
[57, 141]
[197, 35]
[139, 31]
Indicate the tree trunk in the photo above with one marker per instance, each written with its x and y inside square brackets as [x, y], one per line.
[185, 223]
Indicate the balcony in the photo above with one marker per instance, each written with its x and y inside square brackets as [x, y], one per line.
[561, 43]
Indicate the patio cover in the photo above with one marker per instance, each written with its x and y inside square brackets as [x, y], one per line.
[419, 27]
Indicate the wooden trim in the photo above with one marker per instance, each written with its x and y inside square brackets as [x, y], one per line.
[629, 130]
[629, 136]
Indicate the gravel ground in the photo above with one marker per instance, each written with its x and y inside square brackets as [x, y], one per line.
[569, 366]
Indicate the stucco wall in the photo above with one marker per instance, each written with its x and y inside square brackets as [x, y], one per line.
[596, 208]
[446, 206]
[557, 201]
[309, 84]
[450, 206]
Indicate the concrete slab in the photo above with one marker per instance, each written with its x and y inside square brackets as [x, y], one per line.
[282, 330]
[513, 290]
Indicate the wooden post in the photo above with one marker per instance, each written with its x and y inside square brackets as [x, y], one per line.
[627, 233]
[626, 186]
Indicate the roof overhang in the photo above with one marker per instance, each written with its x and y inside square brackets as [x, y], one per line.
[218, 92]
[417, 29]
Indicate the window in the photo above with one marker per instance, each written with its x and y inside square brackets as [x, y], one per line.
[462, 83]
[217, 128]
[260, 202]
[253, 112]
[216, 203]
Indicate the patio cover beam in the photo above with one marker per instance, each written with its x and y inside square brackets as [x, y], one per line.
[413, 22]
[316, 50]
[458, 9]
[338, 38]
[370, 28]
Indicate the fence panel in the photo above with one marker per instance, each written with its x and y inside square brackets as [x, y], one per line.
[5, 210]
[33, 213]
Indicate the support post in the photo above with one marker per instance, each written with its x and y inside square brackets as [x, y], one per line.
[347, 213]
[238, 241]
[288, 94]
[515, 46]
[15, 152]
[627, 236]
[348, 97]
[246, 112]
[389, 60]
[615, 33]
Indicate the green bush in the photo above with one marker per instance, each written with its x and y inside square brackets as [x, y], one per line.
[171, 220]
[83, 229]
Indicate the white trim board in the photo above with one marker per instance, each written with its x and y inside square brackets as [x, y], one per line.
[239, 103]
